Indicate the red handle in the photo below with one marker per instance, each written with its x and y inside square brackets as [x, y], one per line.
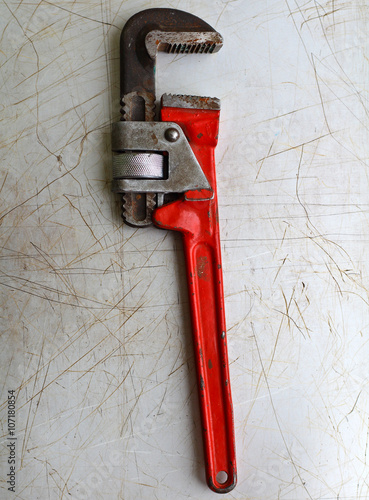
[196, 217]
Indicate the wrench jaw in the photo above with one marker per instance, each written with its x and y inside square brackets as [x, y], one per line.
[145, 34]
[138, 62]
[202, 42]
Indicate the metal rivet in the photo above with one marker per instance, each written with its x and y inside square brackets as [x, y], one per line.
[172, 134]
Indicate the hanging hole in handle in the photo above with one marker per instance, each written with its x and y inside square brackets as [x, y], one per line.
[222, 477]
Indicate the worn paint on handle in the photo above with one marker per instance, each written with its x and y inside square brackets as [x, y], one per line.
[195, 215]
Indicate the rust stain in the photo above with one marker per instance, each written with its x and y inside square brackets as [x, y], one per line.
[202, 268]
[154, 138]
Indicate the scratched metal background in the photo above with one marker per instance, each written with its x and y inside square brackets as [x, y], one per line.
[95, 334]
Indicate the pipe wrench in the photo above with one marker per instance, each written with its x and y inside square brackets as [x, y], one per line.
[165, 172]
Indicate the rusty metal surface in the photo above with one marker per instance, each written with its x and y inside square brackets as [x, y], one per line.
[178, 42]
[183, 170]
[190, 101]
[137, 208]
[137, 65]
[143, 35]
[138, 105]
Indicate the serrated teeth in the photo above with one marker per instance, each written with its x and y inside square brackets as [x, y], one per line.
[195, 48]
[183, 42]
[189, 101]
[137, 208]
[137, 106]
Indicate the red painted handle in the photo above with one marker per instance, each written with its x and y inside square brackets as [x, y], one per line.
[196, 217]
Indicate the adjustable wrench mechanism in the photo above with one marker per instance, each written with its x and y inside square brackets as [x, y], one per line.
[165, 171]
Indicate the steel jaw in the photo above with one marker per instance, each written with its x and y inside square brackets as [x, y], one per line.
[145, 34]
